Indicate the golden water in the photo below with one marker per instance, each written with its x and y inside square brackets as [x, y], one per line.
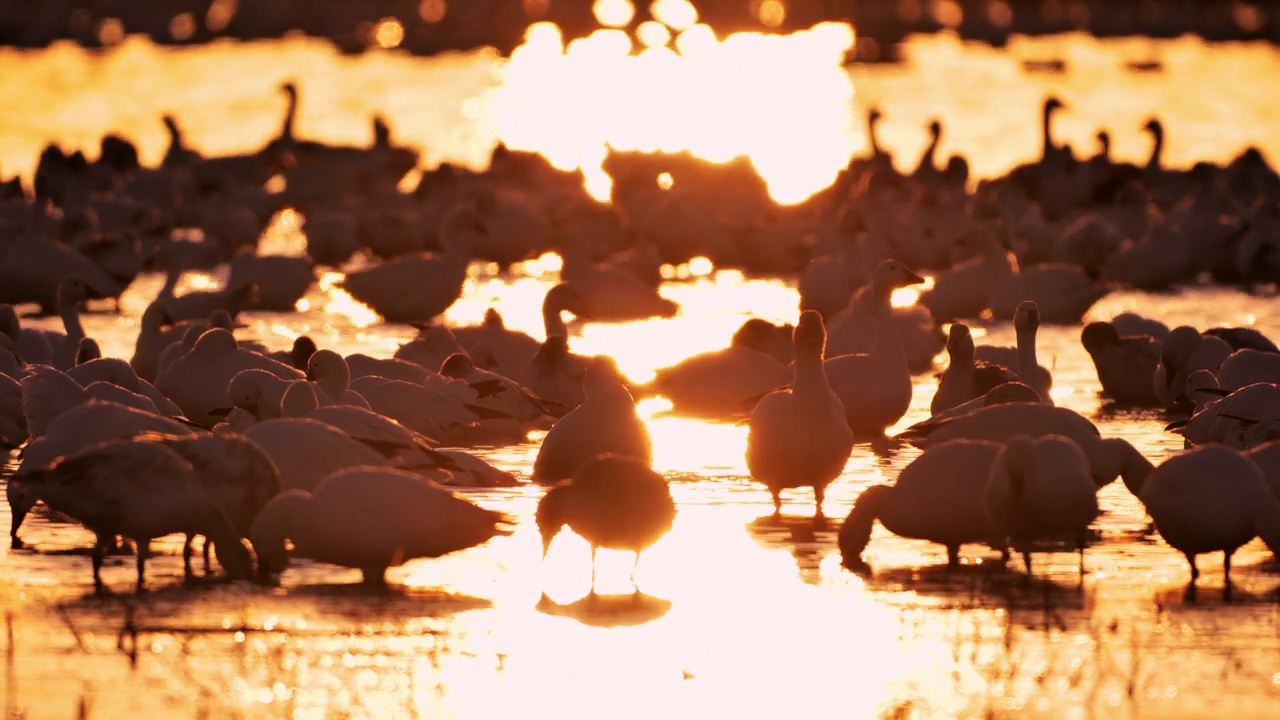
[738, 619]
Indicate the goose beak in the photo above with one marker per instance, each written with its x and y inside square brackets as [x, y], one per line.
[913, 279]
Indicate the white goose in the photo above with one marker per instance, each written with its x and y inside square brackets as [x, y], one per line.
[875, 388]
[370, 519]
[1022, 359]
[330, 372]
[1125, 364]
[1246, 367]
[198, 380]
[305, 450]
[48, 393]
[605, 422]
[1240, 420]
[1041, 488]
[937, 497]
[1208, 499]
[798, 436]
[141, 491]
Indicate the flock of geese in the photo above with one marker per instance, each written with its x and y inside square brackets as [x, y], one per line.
[347, 459]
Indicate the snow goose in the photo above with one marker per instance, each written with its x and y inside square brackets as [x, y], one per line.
[118, 372]
[1109, 458]
[1125, 365]
[1241, 338]
[141, 491]
[1131, 324]
[798, 436]
[965, 290]
[772, 340]
[612, 502]
[1022, 359]
[72, 291]
[47, 393]
[418, 287]
[306, 450]
[198, 380]
[430, 347]
[965, 378]
[875, 388]
[1183, 352]
[1062, 292]
[369, 518]
[1041, 488]
[495, 347]
[329, 370]
[431, 412]
[1246, 367]
[1208, 499]
[1267, 457]
[1239, 420]
[34, 266]
[279, 280]
[258, 392]
[852, 330]
[555, 373]
[1008, 392]
[605, 422]
[361, 365]
[937, 497]
[720, 383]
[459, 376]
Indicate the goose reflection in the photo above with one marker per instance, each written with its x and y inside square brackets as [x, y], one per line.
[808, 544]
[613, 610]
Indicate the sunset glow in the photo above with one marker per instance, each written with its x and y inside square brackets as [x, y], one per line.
[786, 102]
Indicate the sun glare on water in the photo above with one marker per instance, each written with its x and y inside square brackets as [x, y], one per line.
[786, 102]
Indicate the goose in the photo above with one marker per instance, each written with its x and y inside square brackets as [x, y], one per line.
[1241, 338]
[433, 413]
[13, 422]
[361, 365]
[1125, 365]
[332, 235]
[556, 373]
[432, 345]
[417, 287]
[1109, 458]
[927, 170]
[197, 381]
[875, 388]
[30, 344]
[720, 383]
[964, 291]
[1130, 324]
[1183, 352]
[10, 365]
[937, 497]
[141, 491]
[1208, 499]
[852, 330]
[305, 450]
[496, 347]
[1006, 393]
[1235, 420]
[298, 354]
[828, 281]
[369, 518]
[48, 393]
[34, 266]
[1267, 457]
[605, 422]
[230, 470]
[770, 339]
[330, 372]
[459, 376]
[72, 292]
[120, 373]
[612, 294]
[1022, 359]
[965, 378]
[798, 436]
[279, 281]
[612, 502]
[258, 392]
[1246, 367]
[1063, 293]
[1041, 488]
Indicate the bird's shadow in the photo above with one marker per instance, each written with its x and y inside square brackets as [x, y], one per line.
[595, 610]
[807, 541]
[989, 583]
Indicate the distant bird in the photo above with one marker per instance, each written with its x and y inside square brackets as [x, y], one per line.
[1125, 364]
[612, 502]
[798, 436]
[937, 497]
[1208, 499]
[605, 422]
[966, 378]
[141, 491]
[369, 518]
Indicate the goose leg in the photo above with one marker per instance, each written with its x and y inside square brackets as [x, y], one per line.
[1026, 560]
[819, 520]
[144, 549]
[186, 558]
[953, 556]
[373, 577]
[777, 504]
[634, 565]
[1226, 571]
[1080, 547]
[1195, 571]
[99, 554]
[205, 550]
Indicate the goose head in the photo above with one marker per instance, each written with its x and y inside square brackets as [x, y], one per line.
[1053, 103]
[1154, 127]
[810, 336]
[960, 344]
[1027, 316]
[1104, 144]
[329, 370]
[1097, 336]
[893, 274]
[552, 513]
[87, 350]
[246, 388]
[457, 365]
[303, 348]
[299, 399]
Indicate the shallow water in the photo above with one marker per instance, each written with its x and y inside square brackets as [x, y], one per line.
[738, 618]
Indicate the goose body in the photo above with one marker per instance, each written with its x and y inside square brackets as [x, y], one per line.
[305, 451]
[1022, 359]
[875, 389]
[612, 502]
[605, 422]
[965, 378]
[720, 383]
[1208, 499]
[937, 497]
[798, 436]
[1125, 364]
[1041, 488]
[1236, 419]
[369, 518]
[1183, 352]
[141, 491]
[197, 381]
[1246, 367]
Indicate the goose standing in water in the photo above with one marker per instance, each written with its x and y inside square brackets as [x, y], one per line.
[1208, 499]
[875, 389]
[1041, 488]
[965, 378]
[612, 502]
[1022, 359]
[937, 497]
[1125, 365]
[605, 422]
[798, 436]
[371, 519]
[141, 491]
